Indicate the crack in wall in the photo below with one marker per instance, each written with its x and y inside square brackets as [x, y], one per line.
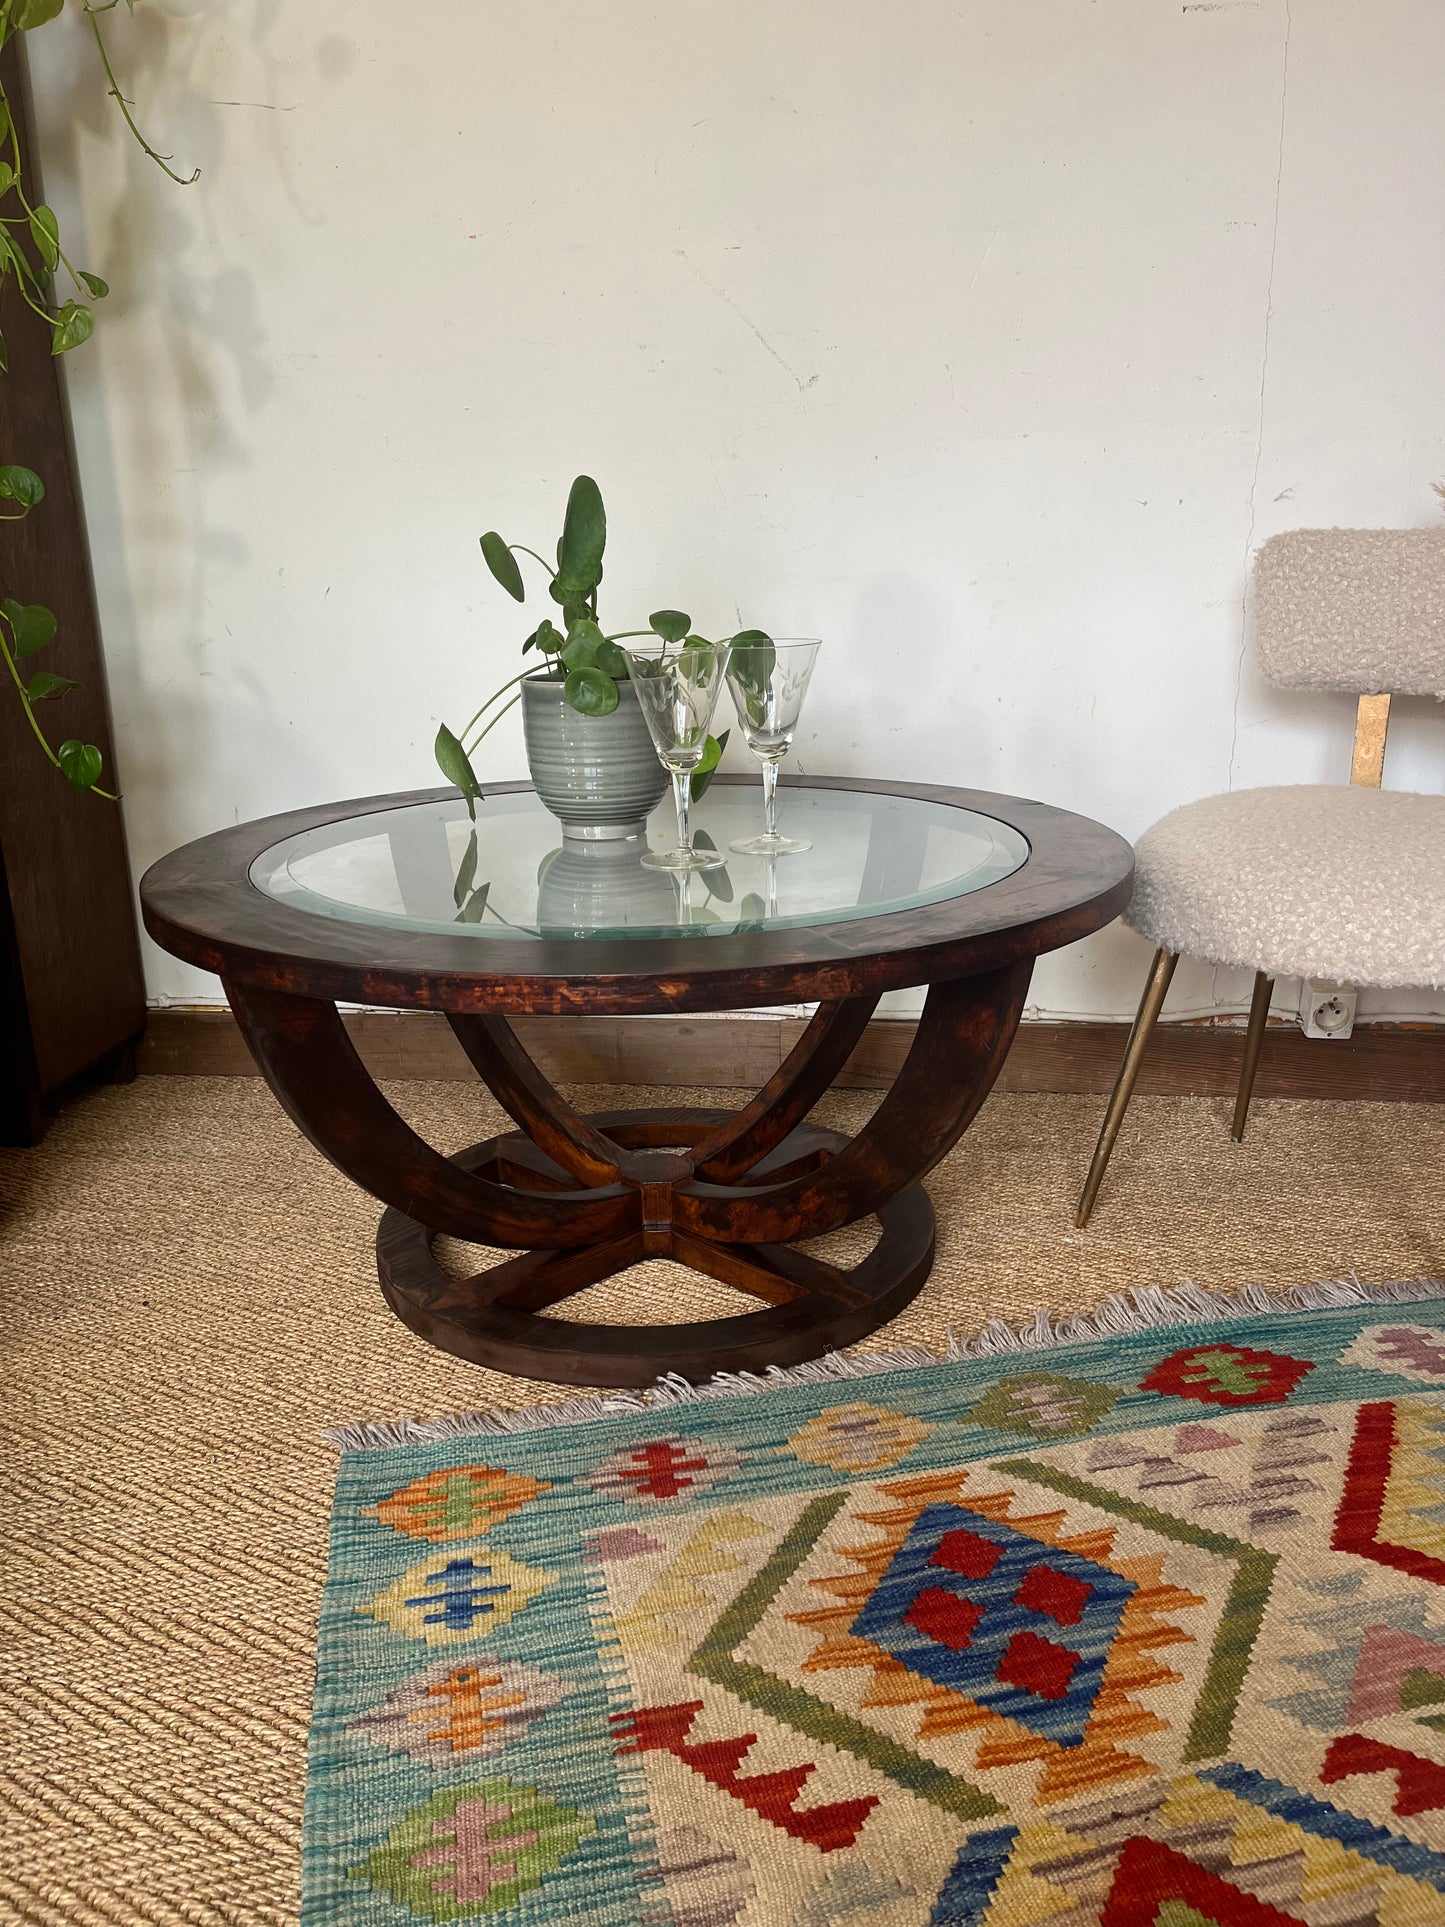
[1259, 437]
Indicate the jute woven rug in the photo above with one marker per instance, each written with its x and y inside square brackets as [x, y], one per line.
[1142, 1632]
[190, 1299]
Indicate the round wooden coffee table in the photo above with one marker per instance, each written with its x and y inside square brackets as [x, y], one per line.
[402, 901]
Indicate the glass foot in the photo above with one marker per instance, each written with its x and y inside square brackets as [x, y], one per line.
[681, 860]
[770, 845]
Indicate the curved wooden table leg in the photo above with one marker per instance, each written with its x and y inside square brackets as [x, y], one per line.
[311, 1065]
[809, 1306]
[962, 1040]
[789, 1094]
[648, 1191]
[526, 1096]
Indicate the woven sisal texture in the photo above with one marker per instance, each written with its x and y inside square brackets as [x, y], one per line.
[190, 1297]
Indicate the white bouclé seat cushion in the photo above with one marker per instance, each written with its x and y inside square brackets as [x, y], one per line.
[1308, 881]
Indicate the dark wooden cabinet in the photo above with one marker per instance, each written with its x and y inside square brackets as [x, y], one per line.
[70, 969]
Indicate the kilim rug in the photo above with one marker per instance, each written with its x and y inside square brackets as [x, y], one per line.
[1146, 1631]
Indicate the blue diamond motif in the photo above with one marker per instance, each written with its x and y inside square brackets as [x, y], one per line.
[1015, 1625]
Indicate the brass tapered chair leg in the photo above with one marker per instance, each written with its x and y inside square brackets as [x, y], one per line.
[1150, 1004]
[1253, 1044]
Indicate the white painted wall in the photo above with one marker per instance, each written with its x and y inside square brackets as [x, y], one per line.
[983, 340]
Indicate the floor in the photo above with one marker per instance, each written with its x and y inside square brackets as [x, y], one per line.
[189, 1298]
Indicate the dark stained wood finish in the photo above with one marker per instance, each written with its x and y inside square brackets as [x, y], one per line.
[200, 903]
[586, 1197]
[965, 1032]
[526, 1096]
[323, 1086]
[492, 1319]
[789, 1094]
[69, 948]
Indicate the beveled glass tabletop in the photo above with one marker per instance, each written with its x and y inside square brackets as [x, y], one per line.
[425, 867]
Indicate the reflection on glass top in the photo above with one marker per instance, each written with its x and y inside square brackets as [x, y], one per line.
[426, 867]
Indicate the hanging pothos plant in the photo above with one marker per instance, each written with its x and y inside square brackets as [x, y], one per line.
[32, 256]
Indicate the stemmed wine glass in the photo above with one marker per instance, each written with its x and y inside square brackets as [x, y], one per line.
[677, 686]
[768, 681]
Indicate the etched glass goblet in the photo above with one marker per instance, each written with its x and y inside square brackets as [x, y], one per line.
[678, 684]
[768, 681]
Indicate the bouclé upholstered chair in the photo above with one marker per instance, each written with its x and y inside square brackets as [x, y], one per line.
[1311, 880]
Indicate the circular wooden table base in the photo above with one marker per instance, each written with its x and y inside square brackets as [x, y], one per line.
[494, 1318]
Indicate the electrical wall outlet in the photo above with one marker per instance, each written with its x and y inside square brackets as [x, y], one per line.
[1326, 1009]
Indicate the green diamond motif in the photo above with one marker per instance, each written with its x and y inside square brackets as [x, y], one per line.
[1042, 1405]
[474, 1850]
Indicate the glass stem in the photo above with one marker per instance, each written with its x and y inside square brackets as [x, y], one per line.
[682, 798]
[770, 798]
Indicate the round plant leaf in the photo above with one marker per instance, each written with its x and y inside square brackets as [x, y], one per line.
[590, 692]
[611, 661]
[548, 637]
[671, 624]
[745, 636]
[580, 652]
[584, 537]
[80, 764]
[503, 565]
[22, 485]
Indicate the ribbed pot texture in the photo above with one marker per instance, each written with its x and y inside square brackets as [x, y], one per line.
[598, 775]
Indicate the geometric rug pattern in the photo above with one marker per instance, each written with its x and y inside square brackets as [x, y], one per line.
[1147, 1632]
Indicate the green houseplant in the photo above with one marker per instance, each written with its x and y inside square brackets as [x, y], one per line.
[588, 749]
[32, 256]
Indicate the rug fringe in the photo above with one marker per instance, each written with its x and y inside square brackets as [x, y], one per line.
[1139, 1309]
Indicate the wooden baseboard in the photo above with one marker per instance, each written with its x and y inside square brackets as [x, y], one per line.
[1380, 1061]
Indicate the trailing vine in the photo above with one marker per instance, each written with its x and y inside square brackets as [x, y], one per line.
[32, 256]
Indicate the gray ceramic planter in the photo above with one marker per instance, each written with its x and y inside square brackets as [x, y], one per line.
[598, 775]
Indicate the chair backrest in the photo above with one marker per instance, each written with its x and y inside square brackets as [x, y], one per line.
[1361, 610]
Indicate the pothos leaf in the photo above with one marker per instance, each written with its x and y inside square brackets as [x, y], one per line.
[21, 485]
[43, 685]
[45, 233]
[34, 13]
[73, 325]
[100, 289]
[7, 176]
[31, 625]
[80, 764]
